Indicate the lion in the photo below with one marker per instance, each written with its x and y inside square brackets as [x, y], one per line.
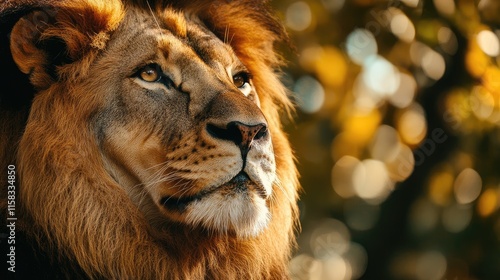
[146, 139]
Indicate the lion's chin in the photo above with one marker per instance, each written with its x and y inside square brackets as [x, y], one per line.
[237, 207]
[243, 213]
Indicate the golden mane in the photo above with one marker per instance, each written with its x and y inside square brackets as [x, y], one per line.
[68, 207]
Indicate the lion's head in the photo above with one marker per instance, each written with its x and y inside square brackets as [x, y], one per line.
[153, 146]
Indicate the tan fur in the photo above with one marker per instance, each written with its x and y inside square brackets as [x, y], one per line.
[70, 194]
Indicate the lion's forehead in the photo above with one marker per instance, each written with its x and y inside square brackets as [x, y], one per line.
[182, 39]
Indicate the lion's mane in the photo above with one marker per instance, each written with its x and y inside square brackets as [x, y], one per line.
[72, 218]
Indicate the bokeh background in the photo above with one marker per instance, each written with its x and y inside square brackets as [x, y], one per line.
[397, 136]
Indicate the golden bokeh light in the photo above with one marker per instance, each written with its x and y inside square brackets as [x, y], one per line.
[412, 125]
[342, 174]
[371, 181]
[359, 127]
[445, 7]
[491, 81]
[298, 16]
[335, 268]
[304, 266]
[331, 67]
[405, 93]
[401, 165]
[433, 64]
[417, 52]
[476, 60]
[488, 202]
[402, 27]
[441, 187]
[385, 143]
[467, 186]
[488, 42]
[328, 63]
[357, 259]
[447, 40]
[411, 3]
[482, 102]
[331, 235]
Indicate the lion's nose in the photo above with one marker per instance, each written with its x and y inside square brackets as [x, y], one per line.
[239, 133]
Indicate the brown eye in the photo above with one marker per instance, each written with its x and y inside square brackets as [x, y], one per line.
[150, 73]
[241, 79]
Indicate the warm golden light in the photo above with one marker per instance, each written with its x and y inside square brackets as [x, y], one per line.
[401, 165]
[385, 144]
[342, 173]
[411, 3]
[447, 40]
[441, 187]
[411, 125]
[405, 93]
[298, 16]
[467, 186]
[446, 7]
[402, 27]
[482, 102]
[488, 42]
[371, 181]
[330, 235]
[476, 60]
[433, 64]
[331, 67]
[488, 202]
[361, 126]
[491, 81]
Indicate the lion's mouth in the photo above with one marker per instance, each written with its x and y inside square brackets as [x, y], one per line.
[240, 183]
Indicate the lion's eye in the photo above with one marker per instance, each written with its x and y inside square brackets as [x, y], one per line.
[150, 73]
[242, 82]
[241, 79]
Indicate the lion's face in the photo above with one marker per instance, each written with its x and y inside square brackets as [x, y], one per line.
[180, 126]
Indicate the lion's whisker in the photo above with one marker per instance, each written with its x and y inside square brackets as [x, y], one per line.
[279, 185]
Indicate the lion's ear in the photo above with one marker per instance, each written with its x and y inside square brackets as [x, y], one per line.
[26, 50]
[45, 40]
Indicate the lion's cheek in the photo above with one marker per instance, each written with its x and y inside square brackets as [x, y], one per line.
[243, 213]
